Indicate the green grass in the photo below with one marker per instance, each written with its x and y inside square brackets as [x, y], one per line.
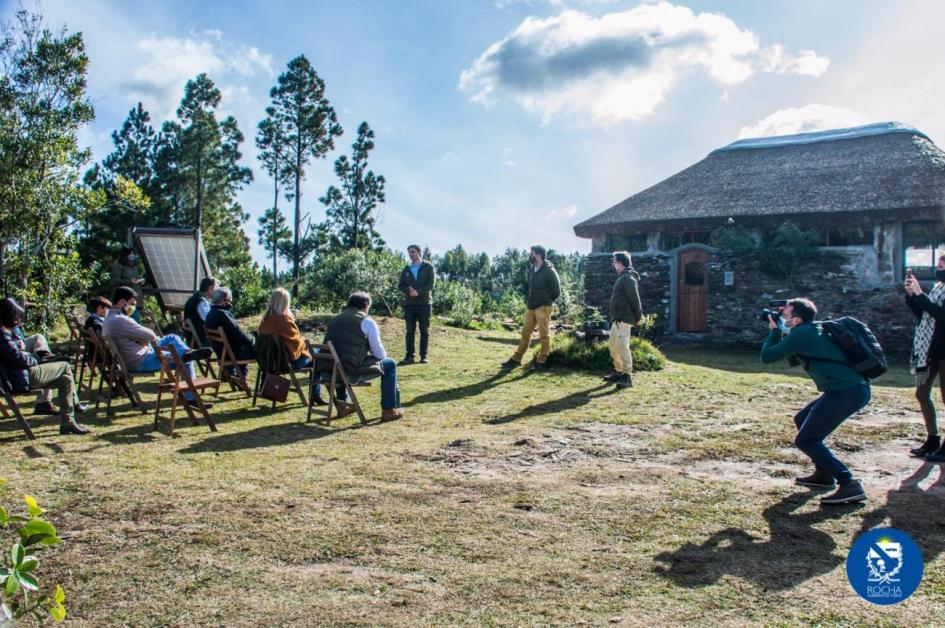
[500, 498]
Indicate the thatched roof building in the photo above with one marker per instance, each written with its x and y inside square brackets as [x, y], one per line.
[887, 168]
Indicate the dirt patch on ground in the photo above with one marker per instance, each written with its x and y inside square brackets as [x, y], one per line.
[628, 449]
[361, 576]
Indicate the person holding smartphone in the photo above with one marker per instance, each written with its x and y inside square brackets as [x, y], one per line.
[928, 354]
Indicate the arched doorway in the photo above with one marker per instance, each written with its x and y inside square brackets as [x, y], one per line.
[692, 290]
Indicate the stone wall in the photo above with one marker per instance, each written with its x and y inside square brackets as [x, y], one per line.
[834, 280]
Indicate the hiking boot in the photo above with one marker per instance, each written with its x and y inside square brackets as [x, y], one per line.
[71, 427]
[424, 360]
[343, 408]
[848, 493]
[45, 407]
[318, 401]
[81, 408]
[510, 364]
[196, 354]
[392, 414]
[931, 445]
[937, 456]
[537, 366]
[193, 404]
[817, 479]
[625, 381]
[613, 377]
[406, 361]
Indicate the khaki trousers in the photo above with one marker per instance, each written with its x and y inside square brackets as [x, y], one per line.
[540, 317]
[56, 375]
[620, 347]
[37, 342]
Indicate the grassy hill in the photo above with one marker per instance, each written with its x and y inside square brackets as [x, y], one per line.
[500, 498]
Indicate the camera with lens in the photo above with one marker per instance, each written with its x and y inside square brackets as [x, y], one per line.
[767, 314]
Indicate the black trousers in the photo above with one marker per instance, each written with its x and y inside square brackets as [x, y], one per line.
[414, 314]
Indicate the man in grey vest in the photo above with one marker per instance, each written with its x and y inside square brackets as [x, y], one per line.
[357, 340]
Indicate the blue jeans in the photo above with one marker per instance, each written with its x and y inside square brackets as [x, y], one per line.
[151, 363]
[390, 391]
[821, 417]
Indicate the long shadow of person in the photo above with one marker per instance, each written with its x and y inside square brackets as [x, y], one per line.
[918, 512]
[562, 404]
[461, 392]
[794, 552]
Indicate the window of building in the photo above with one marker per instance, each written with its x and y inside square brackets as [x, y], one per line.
[847, 235]
[635, 243]
[673, 239]
[922, 243]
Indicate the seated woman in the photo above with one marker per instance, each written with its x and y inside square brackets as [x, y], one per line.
[24, 372]
[279, 321]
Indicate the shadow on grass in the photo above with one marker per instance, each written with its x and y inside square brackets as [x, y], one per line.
[795, 552]
[264, 436]
[563, 404]
[461, 392]
[502, 341]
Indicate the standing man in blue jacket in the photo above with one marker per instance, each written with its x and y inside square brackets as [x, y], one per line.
[845, 392]
[417, 280]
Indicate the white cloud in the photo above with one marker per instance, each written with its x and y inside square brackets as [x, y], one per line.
[813, 117]
[171, 61]
[622, 65]
[777, 60]
[562, 213]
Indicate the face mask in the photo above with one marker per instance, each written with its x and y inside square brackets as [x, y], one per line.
[940, 275]
[129, 310]
[132, 258]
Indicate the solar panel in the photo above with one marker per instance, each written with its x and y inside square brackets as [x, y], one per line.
[168, 256]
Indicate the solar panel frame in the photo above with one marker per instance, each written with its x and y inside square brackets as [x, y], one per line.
[168, 256]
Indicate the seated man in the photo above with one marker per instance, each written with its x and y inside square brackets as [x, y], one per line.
[22, 370]
[133, 340]
[357, 340]
[220, 317]
[37, 345]
[197, 308]
[98, 310]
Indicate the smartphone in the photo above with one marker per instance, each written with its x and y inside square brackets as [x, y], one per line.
[909, 273]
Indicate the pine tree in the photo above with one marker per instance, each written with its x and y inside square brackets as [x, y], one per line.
[307, 124]
[274, 236]
[351, 210]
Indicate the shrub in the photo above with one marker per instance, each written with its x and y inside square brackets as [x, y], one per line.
[735, 240]
[332, 278]
[786, 247]
[595, 356]
[20, 592]
[250, 294]
[458, 302]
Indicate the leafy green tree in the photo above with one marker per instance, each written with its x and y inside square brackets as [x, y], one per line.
[274, 236]
[43, 105]
[351, 210]
[133, 157]
[307, 124]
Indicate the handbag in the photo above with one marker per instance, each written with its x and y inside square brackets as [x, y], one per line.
[275, 387]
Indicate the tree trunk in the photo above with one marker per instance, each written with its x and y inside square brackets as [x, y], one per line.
[275, 233]
[296, 251]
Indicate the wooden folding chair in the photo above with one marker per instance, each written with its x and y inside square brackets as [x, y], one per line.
[227, 359]
[194, 342]
[77, 346]
[281, 357]
[327, 371]
[9, 406]
[93, 357]
[175, 378]
[119, 375]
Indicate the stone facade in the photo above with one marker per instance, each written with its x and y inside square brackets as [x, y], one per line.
[836, 280]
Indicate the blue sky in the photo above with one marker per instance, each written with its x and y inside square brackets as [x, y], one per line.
[505, 122]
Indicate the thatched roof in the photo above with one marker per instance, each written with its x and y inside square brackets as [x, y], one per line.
[877, 167]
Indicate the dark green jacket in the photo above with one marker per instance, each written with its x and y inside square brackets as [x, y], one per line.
[544, 288]
[625, 298]
[808, 340]
[354, 351]
[423, 284]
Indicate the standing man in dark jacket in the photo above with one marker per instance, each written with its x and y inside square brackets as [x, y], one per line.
[625, 312]
[197, 308]
[416, 282]
[220, 317]
[544, 288]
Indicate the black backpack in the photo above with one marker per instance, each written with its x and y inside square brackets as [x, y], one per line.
[862, 351]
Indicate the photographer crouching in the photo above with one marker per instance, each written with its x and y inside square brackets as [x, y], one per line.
[795, 335]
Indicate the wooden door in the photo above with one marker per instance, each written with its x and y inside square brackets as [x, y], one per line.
[692, 291]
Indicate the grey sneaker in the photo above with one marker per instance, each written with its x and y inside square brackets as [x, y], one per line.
[848, 493]
[817, 479]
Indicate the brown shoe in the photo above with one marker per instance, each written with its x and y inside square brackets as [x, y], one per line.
[343, 408]
[392, 414]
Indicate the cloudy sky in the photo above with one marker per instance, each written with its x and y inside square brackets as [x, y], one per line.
[505, 122]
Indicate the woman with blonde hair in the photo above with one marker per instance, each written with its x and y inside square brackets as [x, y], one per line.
[279, 321]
